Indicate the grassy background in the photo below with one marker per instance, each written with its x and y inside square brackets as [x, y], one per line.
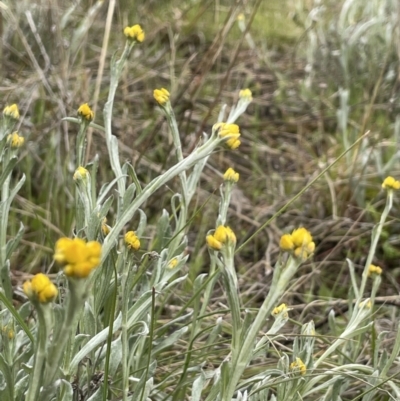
[292, 62]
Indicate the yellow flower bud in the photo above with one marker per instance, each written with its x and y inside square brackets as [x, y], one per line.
[161, 96]
[298, 366]
[390, 183]
[299, 242]
[282, 308]
[11, 112]
[221, 236]
[15, 141]
[78, 256]
[286, 242]
[374, 270]
[301, 237]
[86, 112]
[40, 288]
[229, 131]
[231, 175]
[80, 174]
[134, 32]
[173, 263]
[246, 94]
[224, 234]
[213, 243]
[132, 241]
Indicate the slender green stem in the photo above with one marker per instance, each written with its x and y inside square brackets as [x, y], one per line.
[74, 306]
[124, 328]
[35, 380]
[4, 212]
[179, 229]
[110, 334]
[246, 350]
[151, 336]
[111, 140]
[376, 234]
[80, 143]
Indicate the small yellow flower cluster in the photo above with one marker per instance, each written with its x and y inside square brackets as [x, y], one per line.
[374, 270]
[134, 32]
[282, 308]
[173, 263]
[40, 288]
[80, 174]
[231, 131]
[15, 141]
[222, 235]
[11, 111]
[298, 366]
[86, 112]
[231, 175]
[300, 242]
[132, 241]
[390, 183]
[78, 256]
[161, 96]
[246, 94]
[240, 17]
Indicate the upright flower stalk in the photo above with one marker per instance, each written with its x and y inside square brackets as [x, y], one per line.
[79, 259]
[83, 200]
[389, 185]
[11, 142]
[231, 177]
[132, 245]
[86, 116]
[41, 291]
[134, 35]
[242, 355]
[162, 97]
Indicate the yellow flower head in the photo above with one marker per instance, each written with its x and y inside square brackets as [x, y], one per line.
[231, 175]
[11, 111]
[282, 308]
[298, 366]
[246, 94]
[15, 141]
[213, 243]
[390, 183]
[374, 270]
[80, 174]
[222, 235]
[300, 242]
[78, 256]
[286, 243]
[240, 17]
[173, 263]
[132, 241]
[161, 96]
[40, 288]
[86, 112]
[231, 131]
[134, 32]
